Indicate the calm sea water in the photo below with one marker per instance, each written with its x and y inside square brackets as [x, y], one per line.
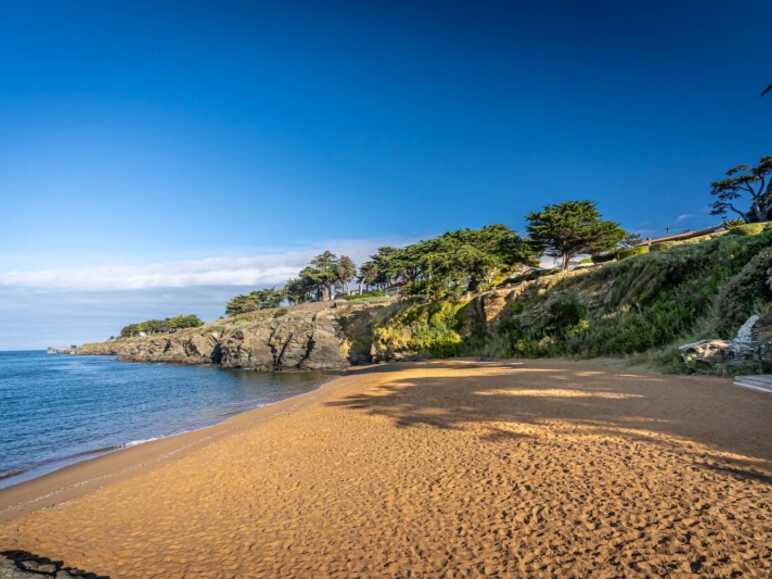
[56, 409]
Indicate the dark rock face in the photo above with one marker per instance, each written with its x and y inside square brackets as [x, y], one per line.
[298, 339]
[319, 336]
[24, 565]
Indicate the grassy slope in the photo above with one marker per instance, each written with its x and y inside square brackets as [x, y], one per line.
[646, 304]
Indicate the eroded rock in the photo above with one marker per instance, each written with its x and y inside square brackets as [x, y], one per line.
[705, 353]
[316, 336]
[750, 346]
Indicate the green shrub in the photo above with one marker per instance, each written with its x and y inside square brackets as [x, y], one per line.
[365, 295]
[424, 329]
[603, 257]
[530, 275]
[632, 252]
[744, 294]
[748, 229]
[655, 302]
[644, 307]
[564, 313]
[167, 325]
[663, 246]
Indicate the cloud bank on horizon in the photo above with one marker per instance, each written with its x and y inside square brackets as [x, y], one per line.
[260, 269]
[76, 303]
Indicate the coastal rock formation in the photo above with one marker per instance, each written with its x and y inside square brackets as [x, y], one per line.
[24, 565]
[318, 336]
[705, 353]
[750, 347]
[300, 338]
[645, 303]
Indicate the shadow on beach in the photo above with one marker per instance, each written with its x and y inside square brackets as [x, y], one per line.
[725, 428]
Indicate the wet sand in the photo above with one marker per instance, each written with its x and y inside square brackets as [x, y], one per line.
[453, 468]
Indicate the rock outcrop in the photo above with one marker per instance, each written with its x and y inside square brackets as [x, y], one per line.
[749, 348]
[25, 565]
[705, 354]
[318, 336]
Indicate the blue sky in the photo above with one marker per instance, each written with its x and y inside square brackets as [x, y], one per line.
[158, 157]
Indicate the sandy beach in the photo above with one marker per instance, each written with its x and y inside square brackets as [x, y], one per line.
[444, 468]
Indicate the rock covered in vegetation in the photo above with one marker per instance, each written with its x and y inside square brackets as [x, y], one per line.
[648, 303]
[318, 336]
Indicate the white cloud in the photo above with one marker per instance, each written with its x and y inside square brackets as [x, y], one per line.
[684, 217]
[263, 269]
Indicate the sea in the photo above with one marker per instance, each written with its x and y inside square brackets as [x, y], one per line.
[56, 410]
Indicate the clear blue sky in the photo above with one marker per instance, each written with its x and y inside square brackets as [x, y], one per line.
[155, 157]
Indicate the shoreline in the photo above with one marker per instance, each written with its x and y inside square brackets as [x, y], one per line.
[439, 468]
[227, 398]
[78, 478]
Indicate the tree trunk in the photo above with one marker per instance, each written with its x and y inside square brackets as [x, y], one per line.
[757, 211]
[768, 201]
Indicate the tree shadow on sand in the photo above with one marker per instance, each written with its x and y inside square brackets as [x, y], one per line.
[716, 423]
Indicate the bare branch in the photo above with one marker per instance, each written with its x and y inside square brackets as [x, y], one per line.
[733, 208]
[746, 185]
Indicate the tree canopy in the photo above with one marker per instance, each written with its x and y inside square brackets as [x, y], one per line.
[745, 181]
[462, 260]
[567, 229]
[254, 301]
[165, 326]
[381, 269]
[320, 280]
[346, 270]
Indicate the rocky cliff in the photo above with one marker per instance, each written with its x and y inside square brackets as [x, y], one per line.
[319, 336]
[646, 304]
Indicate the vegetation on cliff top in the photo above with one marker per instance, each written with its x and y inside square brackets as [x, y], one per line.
[150, 327]
[253, 301]
[460, 261]
[568, 229]
[321, 280]
[473, 260]
[649, 302]
[479, 292]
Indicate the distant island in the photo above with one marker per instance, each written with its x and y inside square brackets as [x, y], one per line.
[70, 350]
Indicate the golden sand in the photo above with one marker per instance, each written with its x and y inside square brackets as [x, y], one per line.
[444, 468]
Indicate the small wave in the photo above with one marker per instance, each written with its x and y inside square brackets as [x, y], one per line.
[140, 441]
[10, 473]
[68, 458]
